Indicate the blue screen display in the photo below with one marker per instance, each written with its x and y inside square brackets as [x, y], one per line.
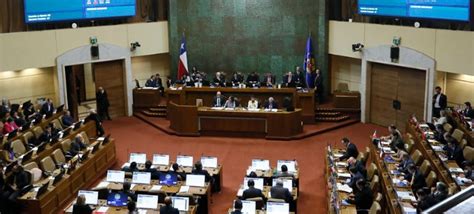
[37, 11]
[457, 10]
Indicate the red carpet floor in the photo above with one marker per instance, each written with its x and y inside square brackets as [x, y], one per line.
[235, 154]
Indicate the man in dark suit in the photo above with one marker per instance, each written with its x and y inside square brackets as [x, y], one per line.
[283, 172]
[358, 165]
[159, 84]
[168, 209]
[271, 104]
[355, 176]
[268, 80]
[237, 207]
[300, 77]
[131, 168]
[415, 178]
[318, 86]
[351, 149]
[468, 111]
[253, 78]
[441, 192]
[440, 102]
[47, 107]
[151, 82]
[252, 192]
[176, 170]
[219, 79]
[93, 116]
[198, 170]
[218, 100]
[67, 119]
[405, 163]
[289, 80]
[77, 145]
[363, 198]
[155, 174]
[127, 191]
[280, 192]
[454, 151]
[425, 200]
[102, 104]
[47, 134]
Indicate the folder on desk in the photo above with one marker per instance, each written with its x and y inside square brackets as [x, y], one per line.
[344, 175]
[344, 188]
[456, 170]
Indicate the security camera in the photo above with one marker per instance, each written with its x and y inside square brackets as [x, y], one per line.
[134, 45]
[357, 47]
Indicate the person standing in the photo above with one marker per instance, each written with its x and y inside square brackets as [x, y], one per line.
[318, 86]
[440, 102]
[102, 104]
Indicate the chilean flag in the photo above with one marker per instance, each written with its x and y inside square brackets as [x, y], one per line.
[183, 59]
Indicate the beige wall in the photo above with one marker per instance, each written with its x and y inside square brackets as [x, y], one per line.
[145, 66]
[345, 70]
[40, 48]
[459, 88]
[89, 82]
[20, 86]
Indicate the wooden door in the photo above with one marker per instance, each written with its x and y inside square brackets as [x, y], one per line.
[110, 76]
[390, 83]
[73, 88]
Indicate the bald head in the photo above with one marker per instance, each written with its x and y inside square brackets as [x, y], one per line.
[168, 201]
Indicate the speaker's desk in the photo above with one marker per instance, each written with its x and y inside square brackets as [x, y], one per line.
[192, 120]
[300, 99]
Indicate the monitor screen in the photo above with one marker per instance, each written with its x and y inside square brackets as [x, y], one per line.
[138, 158]
[210, 162]
[291, 165]
[260, 164]
[141, 178]
[161, 159]
[458, 10]
[249, 207]
[117, 199]
[37, 11]
[92, 197]
[180, 203]
[278, 208]
[195, 180]
[168, 179]
[184, 160]
[287, 183]
[147, 201]
[115, 176]
[258, 182]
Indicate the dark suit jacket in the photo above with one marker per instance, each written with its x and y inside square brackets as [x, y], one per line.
[425, 203]
[360, 168]
[267, 105]
[289, 83]
[252, 192]
[222, 101]
[403, 166]
[236, 212]
[362, 199]
[181, 175]
[468, 113]
[202, 172]
[67, 120]
[443, 101]
[76, 148]
[45, 137]
[419, 181]
[168, 210]
[354, 179]
[102, 100]
[253, 78]
[155, 174]
[220, 82]
[280, 192]
[439, 196]
[47, 108]
[151, 83]
[351, 151]
[81, 209]
[318, 82]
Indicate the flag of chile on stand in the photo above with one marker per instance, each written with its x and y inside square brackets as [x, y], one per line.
[309, 64]
[183, 59]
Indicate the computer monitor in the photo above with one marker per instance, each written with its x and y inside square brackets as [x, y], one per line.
[115, 176]
[249, 207]
[117, 199]
[180, 203]
[77, 125]
[184, 160]
[141, 178]
[168, 179]
[195, 180]
[92, 197]
[210, 162]
[258, 182]
[278, 208]
[290, 164]
[287, 183]
[161, 159]
[139, 158]
[147, 201]
[60, 109]
[259, 164]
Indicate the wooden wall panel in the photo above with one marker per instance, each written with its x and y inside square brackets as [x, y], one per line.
[110, 76]
[20, 86]
[145, 66]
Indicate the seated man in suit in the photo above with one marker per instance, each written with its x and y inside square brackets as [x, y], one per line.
[219, 79]
[130, 193]
[439, 134]
[67, 119]
[284, 172]
[270, 104]
[415, 178]
[405, 163]
[77, 145]
[253, 79]
[268, 80]
[289, 80]
[131, 168]
[363, 197]
[151, 82]
[168, 208]
[351, 149]
[424, 201]
[252, 104]
[15, 184]
[28, 110]
[159, 84]
[454, 151]
[358, 165]
[218, 100]
[19, 121]
[440, 192]
[300, 77]
[155, 174]
[198, 170]
[178, 171]
[47, 135]
[237, 207]
[355, 176]
[468, 111]
[280, 192]
[47, 108]
[252, 192]
[237, 79]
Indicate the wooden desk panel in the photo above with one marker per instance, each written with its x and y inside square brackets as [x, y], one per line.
[146, 98]
[232, 124]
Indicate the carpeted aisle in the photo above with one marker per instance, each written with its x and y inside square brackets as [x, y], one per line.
[133, 135]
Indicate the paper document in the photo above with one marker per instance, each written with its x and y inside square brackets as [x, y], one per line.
[102, 209]
[156, 188]
[344, 188]
[344, 175]
[184, 189]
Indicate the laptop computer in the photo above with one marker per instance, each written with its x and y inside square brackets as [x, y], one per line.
[117, 199]
[12, 134]
[106, 139]
[27, 156]
[95, 148]
[58, 177]
[43, 189]
[168, 179]
[66, 132]
[26, 126]
[41, 147]
[60, 109]
[77, 125]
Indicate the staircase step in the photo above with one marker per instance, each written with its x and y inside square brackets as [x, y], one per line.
[333, 119]
[153, 114]
[328, 114]
[157, 109]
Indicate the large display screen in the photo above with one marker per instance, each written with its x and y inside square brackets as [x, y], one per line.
[38, 11]
[457, 10]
